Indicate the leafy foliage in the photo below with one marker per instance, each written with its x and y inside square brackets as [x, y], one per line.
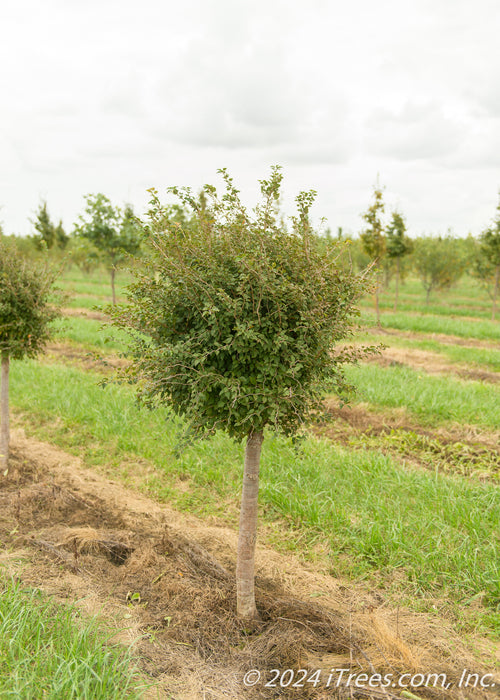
[490, 241]
[235, 328]
[398, 244]
[438, 262]
[83, 254]
[483, 271]
[487, 263]
[372, 237]
[113, 232]
[26, 304]
[48, 234]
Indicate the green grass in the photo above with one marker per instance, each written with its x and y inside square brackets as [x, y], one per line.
[377, 518]
[484, 358]
[89, 302]
[431, 399]
[477, 310]
[96, 284]
[467, 298]
[437, 454]
[380, 517]
[428, 323]
[49, 651]
[90, 334]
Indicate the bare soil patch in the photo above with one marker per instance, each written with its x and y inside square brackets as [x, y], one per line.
[76, 356]
[361, 418]
[430, 362]
[85, 313]
[459, 448]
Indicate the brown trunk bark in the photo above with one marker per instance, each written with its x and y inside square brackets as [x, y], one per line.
[113, 284]
[495, 292]
[245, 566]
[4, 413]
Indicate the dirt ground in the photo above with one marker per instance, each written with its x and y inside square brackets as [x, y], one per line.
[431, 363]
[165, 582]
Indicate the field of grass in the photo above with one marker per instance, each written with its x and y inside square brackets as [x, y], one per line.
[485, 358]
[374, 515]
[419, 322]
[467, 298]
[49, 651]
[90, 334]
[412, 512]
[433, 400]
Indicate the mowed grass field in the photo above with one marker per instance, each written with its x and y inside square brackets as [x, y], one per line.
[401, 490]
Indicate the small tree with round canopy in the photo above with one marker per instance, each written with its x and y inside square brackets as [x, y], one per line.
[438, 263]
[236, 327]
[113, 232]
[26, 310]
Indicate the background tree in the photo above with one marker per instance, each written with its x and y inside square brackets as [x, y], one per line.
[113, 232]
[48, 235]
[83, 254]
[486, 265]
[438, 263]
[26, 311]
[235, 328]
[373, 239]
[398, 245]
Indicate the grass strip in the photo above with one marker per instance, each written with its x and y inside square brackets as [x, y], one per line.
[415, 306]
[90, 334]
[377, 518]
[431, 399]
[48, 651]
[429, 323]
[482, 358]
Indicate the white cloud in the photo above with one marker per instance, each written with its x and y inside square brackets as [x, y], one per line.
[416, 132]
[116, 97]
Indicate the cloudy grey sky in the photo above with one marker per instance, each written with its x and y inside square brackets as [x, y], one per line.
[117, 96]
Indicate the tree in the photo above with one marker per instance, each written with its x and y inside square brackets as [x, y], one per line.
[373, 239]
[438, 263]
[398, 245]
[112, 231]
[48, 235]
[235, 328]
[486, 266]
[83, 254]
[26, 311]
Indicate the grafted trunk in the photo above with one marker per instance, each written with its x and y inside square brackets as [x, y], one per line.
[4, 413]
[245, 566]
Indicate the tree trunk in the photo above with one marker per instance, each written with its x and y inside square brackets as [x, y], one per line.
[398, 272]
[428, 296]
[245, 566]
[113, 271]
[495, 292]
[4, 413]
